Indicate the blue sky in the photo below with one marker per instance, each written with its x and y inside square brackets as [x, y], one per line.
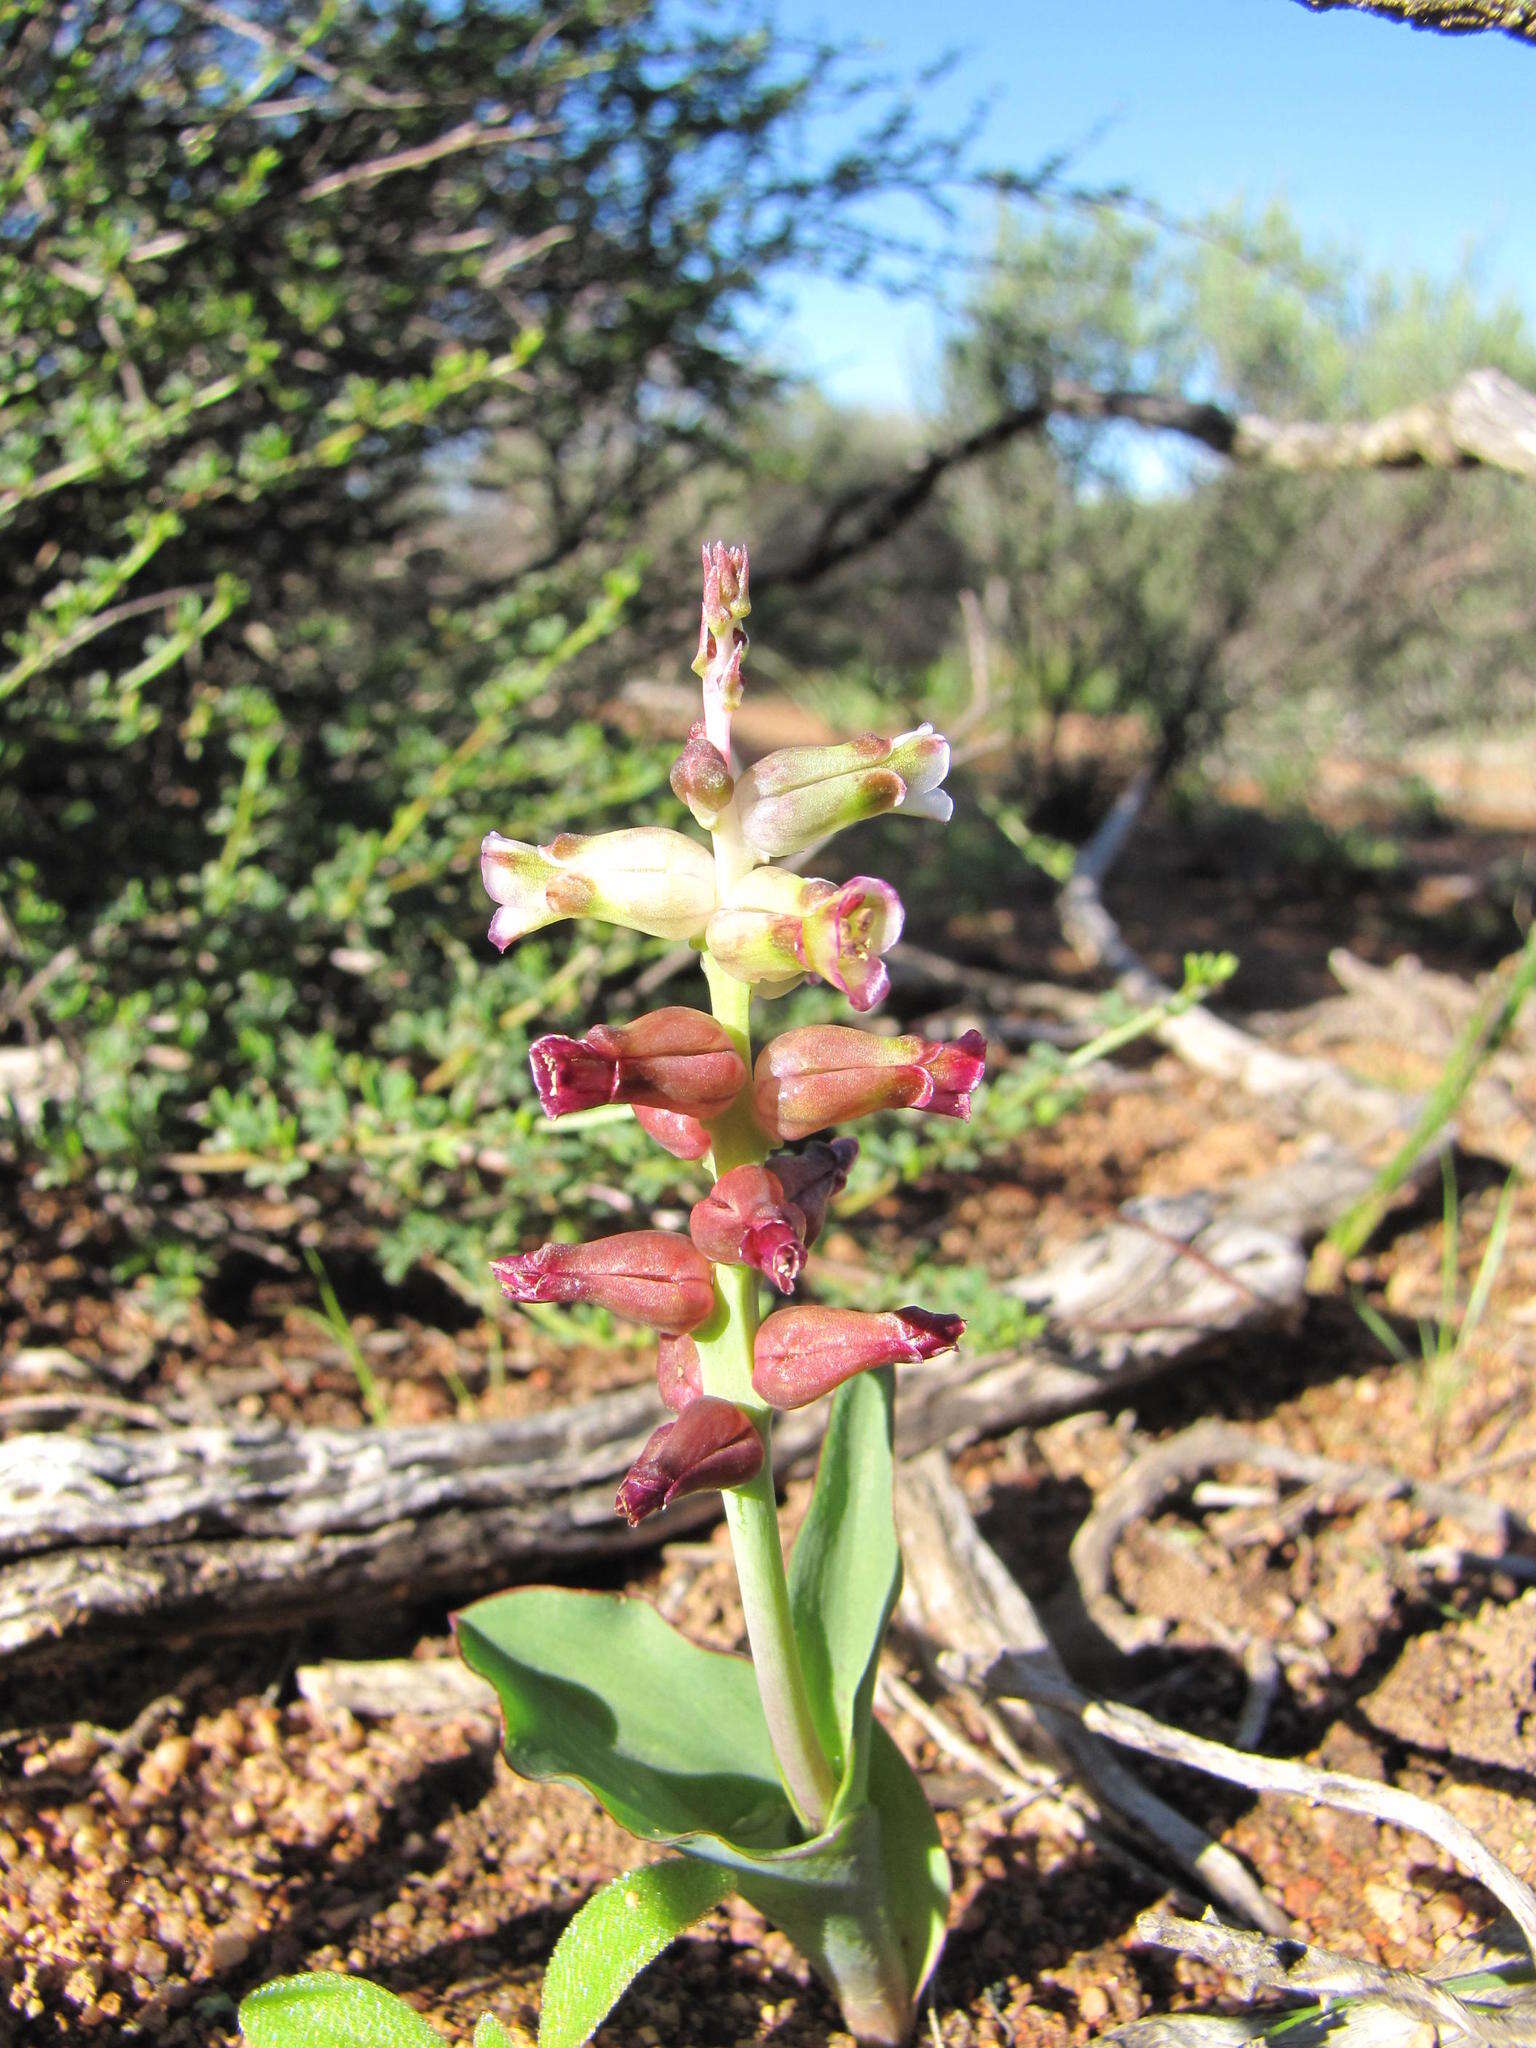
[1411, 149]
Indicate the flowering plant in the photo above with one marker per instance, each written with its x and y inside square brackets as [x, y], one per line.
[767, 1775]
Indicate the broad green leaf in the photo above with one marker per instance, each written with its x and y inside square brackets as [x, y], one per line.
[325, 2010]
[845, 1575]
[601, 1692]
[916, 1868]
[617, 1932]
[490, 2033]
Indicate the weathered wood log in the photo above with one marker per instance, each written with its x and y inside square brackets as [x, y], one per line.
[105, 1535]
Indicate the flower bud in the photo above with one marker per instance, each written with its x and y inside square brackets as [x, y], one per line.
[683, 1136]
[798, 795]
[744, 1220]
[701, 778]
[679, 1373]
[778, 926]
[712, 1444]
[648, 879]
[814, 1177]
[802, 1353]
[648, 1276]
[830, 1073]
[673, 1059]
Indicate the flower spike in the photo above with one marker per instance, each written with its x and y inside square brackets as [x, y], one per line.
[648, 1276]
[802, 1353]
[648, 879]
[674, 1059]
[828, 1073]
[711, 1444]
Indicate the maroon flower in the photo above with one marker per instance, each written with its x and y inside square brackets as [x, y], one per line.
[802, 1353]
[683, 1136]
[814, 1177]
[649, 1276]
[675, 1059]
[744, 1220]
[679, 1374]
[712, 1444]
[828, 1073]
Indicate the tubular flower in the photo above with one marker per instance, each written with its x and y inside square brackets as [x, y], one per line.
[648, 1276]
[829, 1073]
[711, 1444]
[796, 796]
[745, 1220]
[679, 1375]
[701, 778]
[778, 926]
[814, 1177]
[802, 1353]
[674, 1059]
[647, 878]
[683, 1136]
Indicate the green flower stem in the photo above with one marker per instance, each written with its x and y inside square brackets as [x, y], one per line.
[751, 1511]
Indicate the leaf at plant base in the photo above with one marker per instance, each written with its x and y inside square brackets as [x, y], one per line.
[617, 1932]
[326, 2010]
[601, 1692]
[917, 1882]
[845, 1574]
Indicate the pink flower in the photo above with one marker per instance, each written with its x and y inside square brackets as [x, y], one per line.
[648, 1276]
[799, 795]
[814, 1177]
[674, 1059]
[777, 926]
[829, 1073]
[647, 879]
[802, 1353]
[745, 1220]
[712, 1444]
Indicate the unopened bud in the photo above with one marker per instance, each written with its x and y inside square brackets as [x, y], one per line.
[814, 1177]
[674, 1059]
[679, 1373]
[683, 1136]
[777, 926]
[829, 1073]
[647, 1276]
[712, 1444]
[647, 879]
[701, 778]
[802, 1353]
[745, 1220]
[792, 798]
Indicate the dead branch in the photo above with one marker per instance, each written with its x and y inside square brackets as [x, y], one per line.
[1301, 1971]
[1485, 421]
[1515, 18]
[962, 1598]
[1204, 1447]
[1023, 1674]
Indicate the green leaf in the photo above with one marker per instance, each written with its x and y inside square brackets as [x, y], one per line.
[845, 1575]
[490, 2033]
[325, 2010]
[599, 1691]
[617, 1932]
[915, 1866]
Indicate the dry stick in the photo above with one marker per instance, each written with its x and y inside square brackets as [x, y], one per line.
[1200, 1448]
[1303, 1971]
[1017, 1674]
[964, 1600]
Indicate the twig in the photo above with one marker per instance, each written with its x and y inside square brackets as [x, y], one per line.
[969, 1606]
[1205, 1445]
[1302, 1971]
[1023, 1676]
